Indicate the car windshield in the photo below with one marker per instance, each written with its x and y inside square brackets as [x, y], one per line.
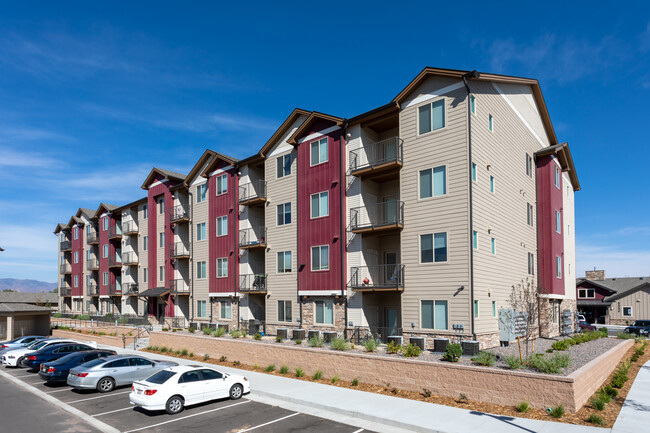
[70, 357]
[161, 377]
[38, 345]
[94, 362]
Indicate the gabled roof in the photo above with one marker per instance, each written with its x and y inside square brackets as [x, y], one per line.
[631, 289]
[104, 207]
[218, 157]
[618, 287]
[130, 205]
[595, 283]
[208, 156]
[283, 129]
[28, 298]
[563, 154]
[23, 308]
[74, 220]
[306, 125]
[167, 174]
[88, 213]
[60, 227]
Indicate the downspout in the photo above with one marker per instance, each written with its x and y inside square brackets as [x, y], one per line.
[472, 74]
[235, 210]
[190, 204]
[343, 238]
[295, 146]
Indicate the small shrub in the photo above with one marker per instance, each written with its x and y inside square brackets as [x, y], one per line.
[523, 407]
[639, 351]
[219, 332]
[223, 359]
[163, 349]
[609, 390]
[394, 391]
[453, 352]
[257, 336]
[206, 357]
[300, 372]
[318, 375]
[596, 419]
[371, 345]
[177, 352]
[121, 320]
[256, 366]
[235, 333]
[236, 363]
[298, 341]
[355, 382]
[602, 329]
[462, 397]
[603, 396]
[284, 369]
[619, 379]
[634, 358]
[269, 368]
[557, 412]
[191, 355]
[625, 336]
[393, 348]
[485, 358]
[174, 330]
[101, 333]
[426, 393]
[192, 330]
[339, 344]
[165, 329]
[514, 363]
[549, 365]
[243, 333]
[184, 352]
[597, 403]
[206, 330]
[561, 344]
[335, 378]
[412, 351]
[278, 339]
[549, 350]
[315, 341]
[148, 348]
[57, 315]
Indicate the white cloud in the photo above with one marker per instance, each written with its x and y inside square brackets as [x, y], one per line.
[24, 158]
[617, 262]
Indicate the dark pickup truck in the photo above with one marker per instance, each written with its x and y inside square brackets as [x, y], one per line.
[639, 327]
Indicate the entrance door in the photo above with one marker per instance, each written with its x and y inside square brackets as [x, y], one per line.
[390, 269]
[392, 324]
[160, 310]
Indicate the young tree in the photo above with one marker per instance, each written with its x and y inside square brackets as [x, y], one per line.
[526, 298]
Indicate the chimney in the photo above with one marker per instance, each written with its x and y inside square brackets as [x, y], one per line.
[595, 275]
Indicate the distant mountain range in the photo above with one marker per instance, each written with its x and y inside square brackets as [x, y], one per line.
[30, 286]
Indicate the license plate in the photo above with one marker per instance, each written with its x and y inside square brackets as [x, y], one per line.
[138, 391]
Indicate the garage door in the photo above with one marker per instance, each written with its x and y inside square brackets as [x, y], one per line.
[24, 326]
[3, 328]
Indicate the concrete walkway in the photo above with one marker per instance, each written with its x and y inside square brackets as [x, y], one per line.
[383, 413]
[635, 413]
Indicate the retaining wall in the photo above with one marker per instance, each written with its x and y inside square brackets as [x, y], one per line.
[99, 339]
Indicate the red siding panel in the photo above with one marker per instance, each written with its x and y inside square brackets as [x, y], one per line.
[77, 268]
[103, 261]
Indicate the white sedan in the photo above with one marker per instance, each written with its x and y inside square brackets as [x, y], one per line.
[14, 357]
[174, 388]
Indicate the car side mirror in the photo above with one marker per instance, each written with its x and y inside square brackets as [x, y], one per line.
[153, 364]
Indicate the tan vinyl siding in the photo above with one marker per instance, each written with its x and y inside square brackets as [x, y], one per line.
[200, 249]
[449, 213]
[640, 303]
[143, 255]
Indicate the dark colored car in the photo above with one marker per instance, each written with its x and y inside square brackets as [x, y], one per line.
[639, 327]
[586, 326]
[58, 370]
[51, 353]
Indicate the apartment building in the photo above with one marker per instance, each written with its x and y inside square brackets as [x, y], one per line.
[410, 219]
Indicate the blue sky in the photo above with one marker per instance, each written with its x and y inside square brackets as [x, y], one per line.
[92, 96]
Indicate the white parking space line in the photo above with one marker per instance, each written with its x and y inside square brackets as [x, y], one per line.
[358, 431]
[188, 416]
[267, 423]
[27, 375]
[58, 390]
[113, 411]
[95, 398]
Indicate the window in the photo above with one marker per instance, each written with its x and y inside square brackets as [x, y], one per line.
[475, 240]
[627, 311]
[324, 312]
[284, 311]
[431, 116]
[284, 262]
[201, 310]
[144, 275]
[189, 377]
[531, 264]
[320, 204]
[201, 270]
[494, 308]
[493, 245]
[75, 233]
[222, 267]
[318, 151]
[161, 205]
[105, 278]
[161, 273]
[201, 192]
[586, 293]
[558, 222]
[76, 280]
[434, 314]
[89, 228]
[433, 182]
[320, 258]
[105, 252]
[222, 184]
[145, 243]
[433, 248]
[556, 307]
[284, 165]
[491, 123]
[88, 254]
[145, 211]
[476, 308]
[529, 214]
[474, 175]
[558, 267]
[161, 239]
[284, 214]
[105, 222]
[200, 232]
[222, 225]
[226, 312]
[529, 165]
[76, 256]
[492, 184]
[472, 104]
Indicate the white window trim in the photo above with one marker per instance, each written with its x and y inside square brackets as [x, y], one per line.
[328, 151]
[333, 312]
[198, 277]
[417, 174]
[161, 240]
[434, 249]
[198, 195]
[225, 191]
[226, 260]
[556, 176]
[290, 264]
[290, 166]
[623, 311]
[476, 307]
[205, 236]
[417, 116]
[434, 314]
[283, 213]
[558, 222]
[558, 266]
[218, 225]
[311, 257]
[284, 309]
[311, 209]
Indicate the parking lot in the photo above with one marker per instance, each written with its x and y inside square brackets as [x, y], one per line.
[114, 410]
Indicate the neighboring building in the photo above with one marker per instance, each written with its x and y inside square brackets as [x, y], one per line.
[615, 301]
[18, 319]
[407, 219]
[50, 300]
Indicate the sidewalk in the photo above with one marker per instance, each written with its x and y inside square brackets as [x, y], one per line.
[635, 413]
[384, 413]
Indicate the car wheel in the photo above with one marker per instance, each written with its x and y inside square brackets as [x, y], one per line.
[174, 405]
[105, 384]
[236, 391]
[19, 361]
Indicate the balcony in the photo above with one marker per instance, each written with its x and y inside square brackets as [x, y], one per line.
[65, 290]
[93, 238]
[115, 289]
[253, 193]
[252, 283]
[178, 214]
[92, 289]
[130, 259]
[130, 289]
[65, 269]
[179, 251]
[252, 238]
[115, 232]
[381, 160]
[380, 217]
[180, 287]
[377, 278]
[66, 246]
[92, 265]
[130, 228]
[115, 261]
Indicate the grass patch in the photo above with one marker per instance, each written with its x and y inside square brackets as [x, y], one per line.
[549, 365]
[318, 375]
[219, 332]
[597, 403]
[300, 372]
[557, 412]
[485, 358]
[625, 336]
[523, 407]
[339, 344]
[371, 345]
[514, 363]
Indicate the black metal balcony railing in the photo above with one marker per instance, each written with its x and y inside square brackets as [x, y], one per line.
[66, 246]
[115, 232]
[253, 192]
[252, 283]
[380, 216]
[114, 289]
[378, 277]
[252, 237]
[65, 291]
[130, 228]
[130, 289]
[92, 289]
[129, 259]
[92, 265]
[178, 214]
[93, 238]
[114, 261]
[178, 250]
[379, 156]
[65, 269]
[179, 286]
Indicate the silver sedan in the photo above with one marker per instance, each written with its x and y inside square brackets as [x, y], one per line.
[104, 374]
